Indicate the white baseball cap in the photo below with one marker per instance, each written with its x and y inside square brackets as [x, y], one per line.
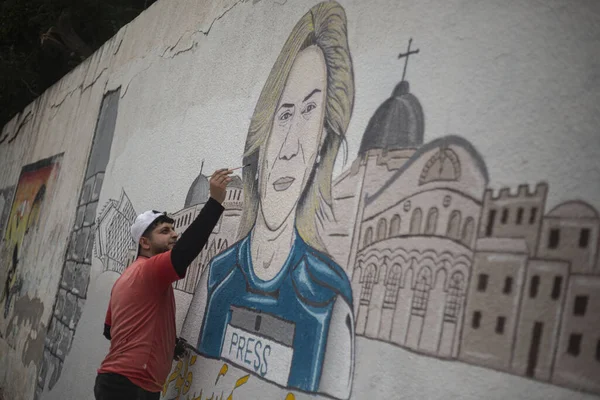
[142, 222]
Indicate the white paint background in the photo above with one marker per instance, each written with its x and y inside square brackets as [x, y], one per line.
[518, 79]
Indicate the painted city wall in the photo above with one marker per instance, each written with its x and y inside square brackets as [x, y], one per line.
[417, 218]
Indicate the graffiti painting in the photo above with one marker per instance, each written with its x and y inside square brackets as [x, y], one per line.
[33, 187]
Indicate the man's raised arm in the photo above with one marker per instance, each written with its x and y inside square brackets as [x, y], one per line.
[194, 238]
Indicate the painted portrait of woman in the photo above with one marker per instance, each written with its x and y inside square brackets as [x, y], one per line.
[276, 304]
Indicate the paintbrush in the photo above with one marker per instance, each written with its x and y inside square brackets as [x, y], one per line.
[233, 169]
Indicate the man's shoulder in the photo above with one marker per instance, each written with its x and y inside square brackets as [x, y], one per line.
[133, 274]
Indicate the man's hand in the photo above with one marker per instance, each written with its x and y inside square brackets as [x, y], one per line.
[218, 184]
[179, 349]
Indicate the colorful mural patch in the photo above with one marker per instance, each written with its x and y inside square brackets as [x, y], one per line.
[32, 189]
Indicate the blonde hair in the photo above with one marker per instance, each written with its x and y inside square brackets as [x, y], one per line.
[324, 25]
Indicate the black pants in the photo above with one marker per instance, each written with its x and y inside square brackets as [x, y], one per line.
[117, 387]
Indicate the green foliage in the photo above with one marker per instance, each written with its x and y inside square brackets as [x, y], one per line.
[42, 40]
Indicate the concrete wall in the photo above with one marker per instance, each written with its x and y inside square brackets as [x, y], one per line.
[466, 111]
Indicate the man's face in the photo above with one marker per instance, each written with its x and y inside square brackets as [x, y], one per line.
[296, 134]
[161, 239]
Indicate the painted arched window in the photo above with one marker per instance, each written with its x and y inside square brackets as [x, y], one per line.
[454, 224]
[392, 285]
[368, 237]
[467, 232]
[368, 283]
[421, 292]
[395, 226]
[415, 221]
[432, 218]
[454, 298]
[381, 229]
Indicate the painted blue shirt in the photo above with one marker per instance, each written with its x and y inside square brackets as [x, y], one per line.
[294, 309]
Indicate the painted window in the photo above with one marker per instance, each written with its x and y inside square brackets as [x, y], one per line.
[454, 225]
[553, 238]
[476, 321]
[482, 282]
[504, 219]
[368, 283]
[395, 226]
[415, 221]
[432, 217]
[489, 229]
[467, 233]
[381, 229]
[500, 321]
[454, 297]
[421, 292]
[368, 237]
[556, 287]
[532, 215]
[520, 215]
[584, 238]
[392, 286]
[534, 286]
[574, 347]
[580, 305]
[508, 282]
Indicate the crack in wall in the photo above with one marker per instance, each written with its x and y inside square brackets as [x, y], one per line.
[120, 41]
[205, 33]
[80, 87]
[21, 125]
[132, 78]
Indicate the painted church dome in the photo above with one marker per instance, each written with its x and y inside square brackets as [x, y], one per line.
[398, 123]
[199, 191]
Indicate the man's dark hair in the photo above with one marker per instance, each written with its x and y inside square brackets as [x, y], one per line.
[163, 218]
[154, 224]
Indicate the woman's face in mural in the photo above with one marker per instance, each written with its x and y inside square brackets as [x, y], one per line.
[295, 138]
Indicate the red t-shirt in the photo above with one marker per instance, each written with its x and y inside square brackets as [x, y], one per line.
[141, 314]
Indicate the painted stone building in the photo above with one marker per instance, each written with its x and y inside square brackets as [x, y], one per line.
[412, 248]
[527, 292]
[442, 266]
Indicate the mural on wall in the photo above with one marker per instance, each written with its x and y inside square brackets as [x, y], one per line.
[276, 299]
[408, 251]
[413, 262]
[35, 182]
[75, 276]
[438, 263]
[114, 245]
